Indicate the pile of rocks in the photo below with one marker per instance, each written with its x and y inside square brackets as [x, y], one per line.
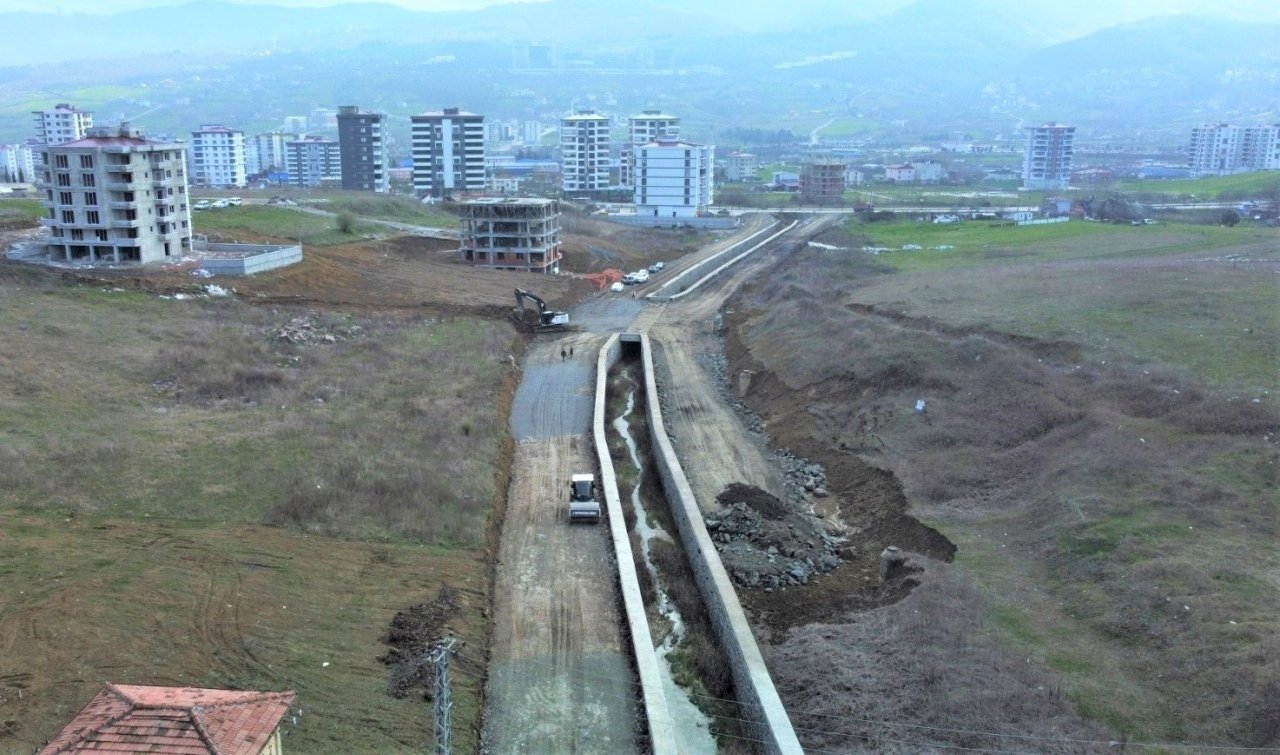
[801, 476]
[765, 544]
[311, 328]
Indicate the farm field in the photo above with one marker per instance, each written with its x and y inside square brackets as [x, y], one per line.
[1098, 444]
[212, 492]
[1261, 184]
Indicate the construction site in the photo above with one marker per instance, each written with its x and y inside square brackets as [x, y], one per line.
[687, 518]
[511, 234]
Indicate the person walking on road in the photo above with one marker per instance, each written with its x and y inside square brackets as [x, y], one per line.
[562, 355]
[571, 352]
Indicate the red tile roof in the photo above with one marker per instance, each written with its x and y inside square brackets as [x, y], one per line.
[124, 718]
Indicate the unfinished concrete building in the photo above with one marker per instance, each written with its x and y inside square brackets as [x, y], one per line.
[822, 178]
[512, 234]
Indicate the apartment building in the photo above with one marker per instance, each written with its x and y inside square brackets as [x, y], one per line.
[1220, 149]
[741, 166]
[584, 152]
[62, 123]
[264, 153]
[313, 161]
[673, 178]
[448, 152]
[646, 127]
[115, 196]
[511, 234]
[822, 178]
[217, 157]
[17, 163]
[1046, 163]
[363, 151]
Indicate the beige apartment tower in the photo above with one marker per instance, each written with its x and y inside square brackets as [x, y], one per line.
[114, 196]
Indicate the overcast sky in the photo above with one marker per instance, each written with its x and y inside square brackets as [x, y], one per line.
[115, 6]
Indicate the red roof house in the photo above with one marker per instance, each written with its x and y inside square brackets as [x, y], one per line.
[125, 718]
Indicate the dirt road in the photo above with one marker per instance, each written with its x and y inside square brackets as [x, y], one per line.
[712, 440]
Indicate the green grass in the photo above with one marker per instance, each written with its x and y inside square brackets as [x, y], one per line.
[1263, 185]
[144, 442]
[843, 127]
[399, 209]
[18, 210]
[280, 223]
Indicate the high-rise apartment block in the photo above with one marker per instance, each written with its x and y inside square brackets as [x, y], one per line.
[448, 152]
[364, 153]
[512, 234]
[1219, 149]
[313, 161]
[1047, 161]
[62, 123]
[673, 178]
[17, 163]
[115, 196]
[264, 153]
[642, 129]
[217, 157]
[584, 152]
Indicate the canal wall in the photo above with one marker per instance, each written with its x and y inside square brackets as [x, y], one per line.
[755, 690]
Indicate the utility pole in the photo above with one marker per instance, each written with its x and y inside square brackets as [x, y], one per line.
[442, 703]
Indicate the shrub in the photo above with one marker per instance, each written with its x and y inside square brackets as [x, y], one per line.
[346, 222]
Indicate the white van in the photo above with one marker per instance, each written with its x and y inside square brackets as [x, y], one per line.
[203, 204]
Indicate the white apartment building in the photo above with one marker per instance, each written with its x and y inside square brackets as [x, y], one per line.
[264, 153]
[741, 166]
[1220, 149]
[1046, 163]
[673, 178]
[62, 123]
[448, 152]
[648, 126]
[313, 161]
[17, 163]
[115, 196]
[584, 152]
[217, 157]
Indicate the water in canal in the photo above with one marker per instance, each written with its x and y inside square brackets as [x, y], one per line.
[692, 726]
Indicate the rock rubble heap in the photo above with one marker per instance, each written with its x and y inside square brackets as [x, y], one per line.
[764, 543]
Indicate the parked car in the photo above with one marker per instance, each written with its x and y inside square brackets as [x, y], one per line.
[219, 204]
[616, 288]
[234, 201]
[203, 204]
[641, 276]
[629, 279]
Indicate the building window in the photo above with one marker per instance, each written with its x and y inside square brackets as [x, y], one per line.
[77, 234]
[91, 217]
[60, 161]
[87, 179]
[102, 235]
[86, 161]
[64, 197]
[91, 198]
[64, 179]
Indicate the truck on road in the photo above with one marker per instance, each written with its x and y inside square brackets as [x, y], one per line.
[583, 506]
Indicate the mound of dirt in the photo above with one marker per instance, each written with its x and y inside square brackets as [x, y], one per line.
[763, 543]
[413, 634]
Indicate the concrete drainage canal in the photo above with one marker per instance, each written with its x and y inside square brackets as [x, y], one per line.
[696, 676]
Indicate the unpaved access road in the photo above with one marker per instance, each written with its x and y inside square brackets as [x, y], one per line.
[559, 676]
[713, 442]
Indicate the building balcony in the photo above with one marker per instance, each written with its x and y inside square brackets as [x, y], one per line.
[118, 168]
[122, 205]
[120, 223]
[119, 186]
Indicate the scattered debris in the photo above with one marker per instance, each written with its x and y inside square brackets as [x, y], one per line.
[411, 634]
[311, 328]
[765, 543]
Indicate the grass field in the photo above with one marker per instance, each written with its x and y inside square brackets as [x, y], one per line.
[1265, 184]
[186, 498]
[280, 223]
[399, 209]
[1099, 444]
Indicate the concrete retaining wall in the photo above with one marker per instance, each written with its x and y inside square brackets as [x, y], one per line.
[706, 222]
[755, 689]
[269, 259]
[691, 279]
[661, 735]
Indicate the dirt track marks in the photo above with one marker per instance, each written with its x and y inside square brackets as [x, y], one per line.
[559, 677]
